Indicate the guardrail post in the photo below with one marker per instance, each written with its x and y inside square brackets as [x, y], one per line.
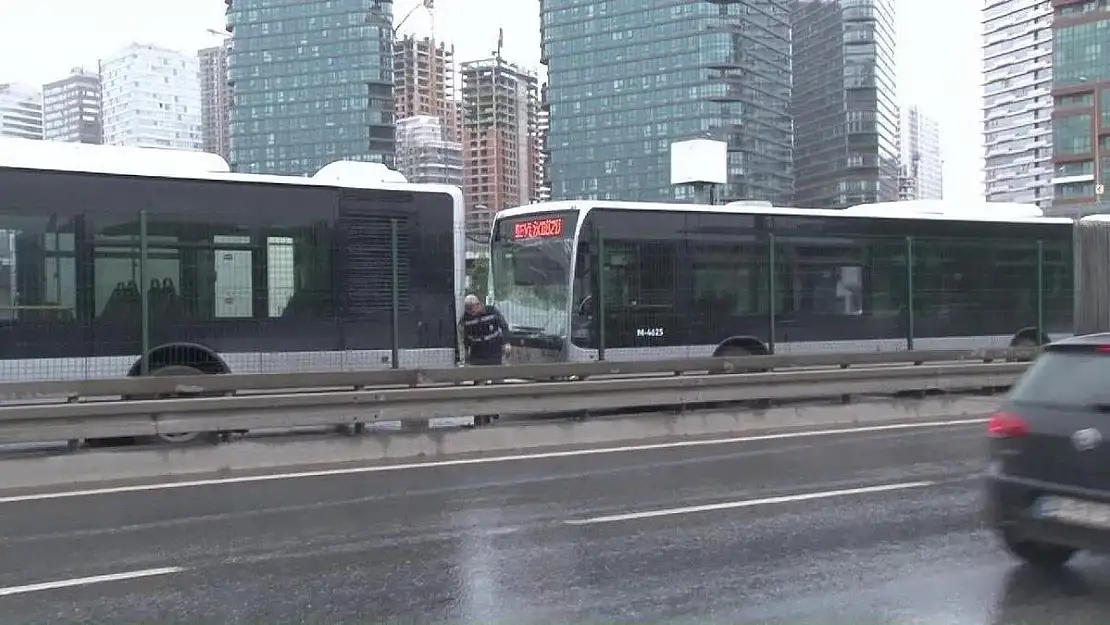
[772, 288]
[910, 304]
[395, 283]
[1040, 290]
[600, 294]
[144, 295]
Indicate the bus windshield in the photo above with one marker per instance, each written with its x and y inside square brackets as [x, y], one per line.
[530, 282]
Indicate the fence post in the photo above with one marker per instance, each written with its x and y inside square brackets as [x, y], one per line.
[772, 289]
[1040, 290]
[144, 294]
[910, 304]
[395, 312]
[600, 294]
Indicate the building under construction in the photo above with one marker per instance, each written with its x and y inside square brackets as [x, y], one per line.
[424, 74]
[425, 152]
[542, 193]
[501, 152]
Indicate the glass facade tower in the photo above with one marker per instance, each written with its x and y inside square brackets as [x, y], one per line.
[845, 106]
[312, 82]
[626, 78]
[1081, 106]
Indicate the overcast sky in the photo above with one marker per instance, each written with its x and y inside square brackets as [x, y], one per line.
[939, 54]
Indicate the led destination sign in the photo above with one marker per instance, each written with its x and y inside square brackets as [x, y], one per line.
[548, 228]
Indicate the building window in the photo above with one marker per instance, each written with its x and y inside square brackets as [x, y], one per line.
[1075, 100]
[1072, 134]
[1081, 54]
[1075, 190]
[1081, 168]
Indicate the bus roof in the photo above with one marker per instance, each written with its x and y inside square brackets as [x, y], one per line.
[188, 165]
[1007, 213]
[106, 159]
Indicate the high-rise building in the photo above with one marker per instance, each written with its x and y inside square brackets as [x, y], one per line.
[426, 151]
[151, 98]
[500, 150]
[424, 75]
[627, 79]
[543, 170]
[844, 102]
[1017, 104]
[71, 108]
[312, 83]
[1081, 113]
[215, 100]
[922, 175]
[20, 111]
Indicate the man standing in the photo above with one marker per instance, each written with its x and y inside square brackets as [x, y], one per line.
[485, 339]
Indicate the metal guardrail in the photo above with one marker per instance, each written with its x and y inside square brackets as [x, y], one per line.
[319, 407]
[149, 387]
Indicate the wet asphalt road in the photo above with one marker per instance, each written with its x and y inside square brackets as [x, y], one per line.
[521, 542]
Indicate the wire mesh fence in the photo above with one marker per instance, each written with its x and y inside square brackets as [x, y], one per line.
[273, 288]
[261, 289]
[629, 297]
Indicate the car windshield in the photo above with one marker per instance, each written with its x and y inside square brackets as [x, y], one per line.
[529, 282]
[1065, 379]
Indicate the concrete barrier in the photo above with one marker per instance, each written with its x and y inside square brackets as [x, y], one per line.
[250, 456]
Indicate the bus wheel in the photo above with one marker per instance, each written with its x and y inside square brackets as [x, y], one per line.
[735, 351]
[1025, 346]
[177, 438]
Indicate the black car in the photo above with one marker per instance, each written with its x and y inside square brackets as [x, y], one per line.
[1048, 484]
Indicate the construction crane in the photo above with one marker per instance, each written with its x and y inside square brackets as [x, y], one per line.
[427, 5]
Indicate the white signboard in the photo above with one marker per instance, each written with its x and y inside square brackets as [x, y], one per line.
[699, 160]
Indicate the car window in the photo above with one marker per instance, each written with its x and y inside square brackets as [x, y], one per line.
[1068, 379]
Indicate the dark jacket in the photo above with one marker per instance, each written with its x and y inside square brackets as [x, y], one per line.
[485, 335]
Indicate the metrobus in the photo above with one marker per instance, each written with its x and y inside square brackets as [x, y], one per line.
[647, 281]
[126, 261]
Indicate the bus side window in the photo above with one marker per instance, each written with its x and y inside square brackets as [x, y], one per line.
[820, 276]
[729, 278]
[639, 274]
[885, 278]
[1058, 287]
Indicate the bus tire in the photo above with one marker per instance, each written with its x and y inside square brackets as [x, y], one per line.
[1026, 345]
[737, 351]
[180, 438]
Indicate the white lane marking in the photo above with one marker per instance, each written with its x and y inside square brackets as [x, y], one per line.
[436, 464]
[86, 581]
[749, 503]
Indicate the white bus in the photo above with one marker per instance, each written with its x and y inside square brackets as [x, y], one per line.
[646, 281]
[126, 261]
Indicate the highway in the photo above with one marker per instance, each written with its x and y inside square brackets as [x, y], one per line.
[870, 525]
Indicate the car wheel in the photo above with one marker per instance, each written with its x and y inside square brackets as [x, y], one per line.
[1038, 554]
